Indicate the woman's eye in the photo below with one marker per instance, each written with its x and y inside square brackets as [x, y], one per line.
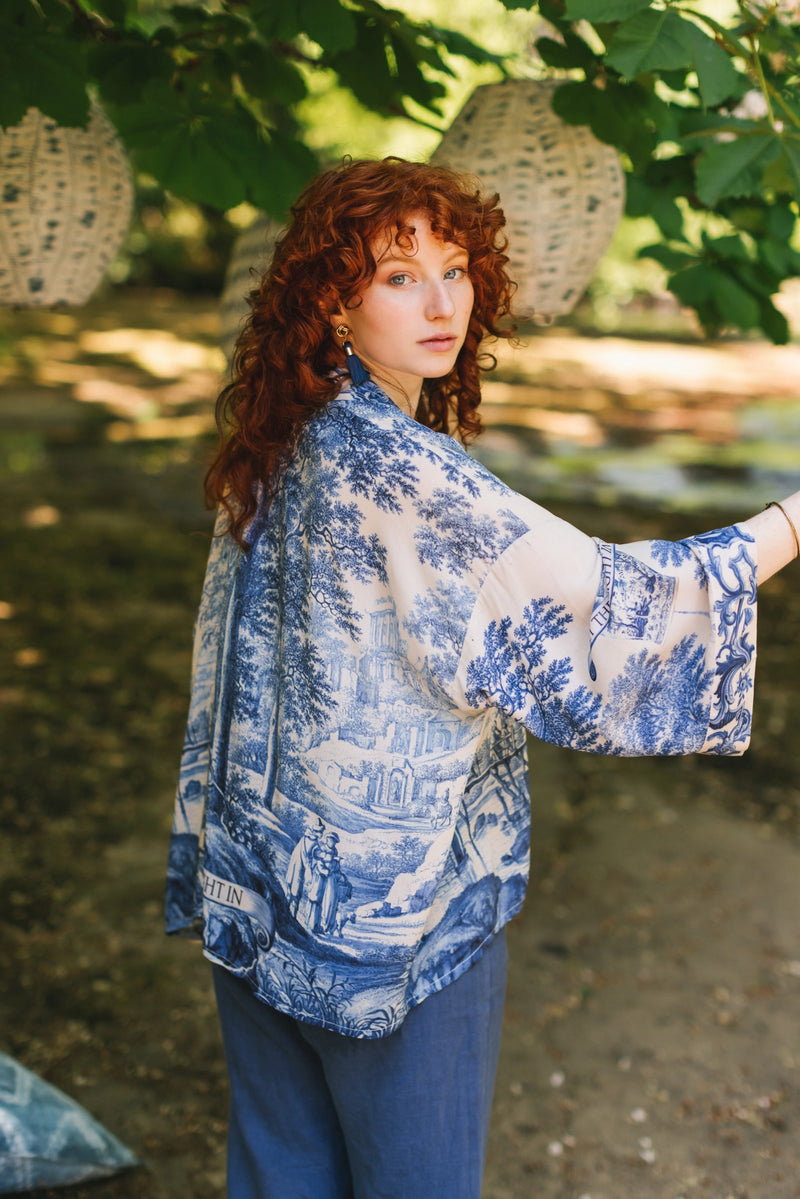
[398, 280]
[455, 272]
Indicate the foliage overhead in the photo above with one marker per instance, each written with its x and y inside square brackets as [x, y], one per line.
[203, 94]
[707, 116]
[705, 110]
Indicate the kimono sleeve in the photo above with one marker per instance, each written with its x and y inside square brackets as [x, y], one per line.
[182, 896]
[637, 649]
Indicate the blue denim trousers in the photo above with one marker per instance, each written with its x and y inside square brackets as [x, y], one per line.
[317, 1115]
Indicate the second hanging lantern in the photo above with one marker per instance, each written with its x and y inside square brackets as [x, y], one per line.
[562, 190]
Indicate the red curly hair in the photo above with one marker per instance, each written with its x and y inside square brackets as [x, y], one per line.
[286, 362]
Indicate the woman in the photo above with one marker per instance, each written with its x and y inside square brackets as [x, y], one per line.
[381, 621]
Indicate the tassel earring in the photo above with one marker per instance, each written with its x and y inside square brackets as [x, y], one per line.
[358, 372]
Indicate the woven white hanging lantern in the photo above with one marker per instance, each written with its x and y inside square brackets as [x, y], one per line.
[65, 206]
[563, 191]
[250, 257]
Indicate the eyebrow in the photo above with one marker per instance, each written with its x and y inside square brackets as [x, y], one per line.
[456, 252]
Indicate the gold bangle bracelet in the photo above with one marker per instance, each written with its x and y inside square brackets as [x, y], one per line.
[775, 504]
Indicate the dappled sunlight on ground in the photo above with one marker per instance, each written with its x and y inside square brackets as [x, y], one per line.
[639, 366]
[146, 383]
[607, 419]
[159, 353]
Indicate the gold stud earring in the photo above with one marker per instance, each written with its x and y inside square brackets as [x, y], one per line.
[342, 331]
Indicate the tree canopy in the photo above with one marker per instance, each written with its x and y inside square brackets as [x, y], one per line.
[704, 109]
[707, 115]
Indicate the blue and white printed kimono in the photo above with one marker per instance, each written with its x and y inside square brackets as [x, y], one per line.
[352, 820]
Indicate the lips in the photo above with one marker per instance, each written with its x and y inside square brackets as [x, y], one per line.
[442, 341]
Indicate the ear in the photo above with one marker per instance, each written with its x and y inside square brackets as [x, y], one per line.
[338, 318]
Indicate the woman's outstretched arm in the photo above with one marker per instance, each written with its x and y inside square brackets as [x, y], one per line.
[776, 532]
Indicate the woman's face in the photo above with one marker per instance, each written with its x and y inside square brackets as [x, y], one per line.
[410, 322]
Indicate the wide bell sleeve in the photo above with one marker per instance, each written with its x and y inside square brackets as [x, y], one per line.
[637, 649]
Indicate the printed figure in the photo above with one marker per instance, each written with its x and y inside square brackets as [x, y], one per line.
[337, 887]
[300, 874]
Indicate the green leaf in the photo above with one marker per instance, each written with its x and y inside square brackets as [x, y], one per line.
[21, 12]
[191, 15]
[693, 284]
[667, 215]
[729, 32]
[194, 149]
[291, 166]
[737, 305]
[619, 114]
[164, 36]
[734, 168]
[328, 24]
[115, 10]
[575, 102]
[673, 176]
[279, 20]
[749, 215]
[603, 10]
[775, 255]
[783, 175]
[730, 246]
[419, 43]
[774, 323]
[717, 77]
[780, 220]
[697, 125]
[650, 41]
[458, 43]
[571, 54]
[123, 69]
[44, 71]
[789, 93]
[585, 104]
[212, 152]
[58, 17]
[552, 11]
[267, 75]
[672, 259]
[393, 52]
[375, 88]
[758, 277]
[638, 196]
[675, 79]
[644, 199]
[413, 83]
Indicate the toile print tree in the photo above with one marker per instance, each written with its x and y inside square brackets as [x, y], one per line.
[205, 96]
[327, 530]
[504, 750]
[439, 618]
[670, 716]
[452, 538]
[513, 673]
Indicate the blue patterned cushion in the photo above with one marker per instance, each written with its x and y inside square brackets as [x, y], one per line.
[48, 1140]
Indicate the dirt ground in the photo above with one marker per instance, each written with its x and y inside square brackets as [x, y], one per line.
[650, 1048]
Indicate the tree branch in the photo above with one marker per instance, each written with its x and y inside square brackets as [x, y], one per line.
[91, 23]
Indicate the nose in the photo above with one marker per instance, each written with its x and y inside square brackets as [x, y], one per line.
[439, 302]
